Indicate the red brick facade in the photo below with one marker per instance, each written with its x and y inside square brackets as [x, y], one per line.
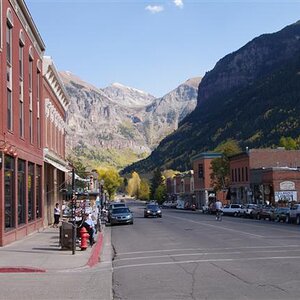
[256, 175]
[201, 165]
[56, 103]
[21, 125]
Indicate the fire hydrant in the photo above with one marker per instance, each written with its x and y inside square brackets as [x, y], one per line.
[84, 238]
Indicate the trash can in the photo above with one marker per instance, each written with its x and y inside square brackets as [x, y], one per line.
[65, 235]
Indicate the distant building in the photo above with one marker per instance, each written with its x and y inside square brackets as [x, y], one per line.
[204, 192]
[21, 123]
[278, 186]
[256, 175]
[183, 188]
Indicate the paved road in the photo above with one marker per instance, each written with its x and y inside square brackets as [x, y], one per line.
[188, 255]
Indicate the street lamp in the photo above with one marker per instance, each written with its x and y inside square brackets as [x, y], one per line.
[101, 192]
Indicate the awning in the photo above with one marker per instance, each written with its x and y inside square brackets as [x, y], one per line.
[77, 177]
[56, 165]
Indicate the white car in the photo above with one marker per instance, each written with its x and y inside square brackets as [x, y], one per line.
[249, 210]
[235, 210]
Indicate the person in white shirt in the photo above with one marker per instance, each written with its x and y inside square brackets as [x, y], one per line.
[56, 215]
[218, 206]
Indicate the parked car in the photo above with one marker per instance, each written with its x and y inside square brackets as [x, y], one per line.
[279, 214]
[293, 214]
[249, 210]
[114, 205]
[169, 204]
[265, 212]
[120, 215]
[117, 205]
[235, 210]
[152, 210]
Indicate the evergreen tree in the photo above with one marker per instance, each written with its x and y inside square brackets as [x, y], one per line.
[156, 181]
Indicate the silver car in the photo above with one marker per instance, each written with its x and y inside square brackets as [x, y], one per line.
[121, 215]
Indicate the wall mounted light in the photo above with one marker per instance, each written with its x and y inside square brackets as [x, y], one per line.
[8, 148]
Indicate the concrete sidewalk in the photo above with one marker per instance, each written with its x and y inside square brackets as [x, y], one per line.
[41, 252]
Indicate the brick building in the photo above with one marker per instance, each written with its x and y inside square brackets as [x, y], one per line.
[55, 165]
[256, 174]
[204, 191]
[181, 188]
[21, 123]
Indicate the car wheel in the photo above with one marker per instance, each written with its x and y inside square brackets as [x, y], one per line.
[145, 216]
[287, 219]
[277, 219]
[235, 214]
[258, 216]
[298, 220]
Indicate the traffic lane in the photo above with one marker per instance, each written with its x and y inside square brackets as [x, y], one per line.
[178, 230]
[249, 227]
[161, 263]
[209, 280]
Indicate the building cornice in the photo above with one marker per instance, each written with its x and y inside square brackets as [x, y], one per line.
[28, 24]
[206, 155]
[53, 79]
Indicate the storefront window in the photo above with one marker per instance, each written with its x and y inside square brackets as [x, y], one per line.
[21, 191]
[30, 191]
[38, 192]
[9, 174]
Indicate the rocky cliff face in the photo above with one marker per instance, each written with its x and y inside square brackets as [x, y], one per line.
[252, 95]
[118, 125]
[164, 114]
[253, 61]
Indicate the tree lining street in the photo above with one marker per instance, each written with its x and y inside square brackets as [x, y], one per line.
[188, 255]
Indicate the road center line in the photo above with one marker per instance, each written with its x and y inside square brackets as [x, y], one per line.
[205, 261]
[203, 253]
[206, 249]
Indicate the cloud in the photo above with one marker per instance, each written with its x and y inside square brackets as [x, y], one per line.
[178, 3]
[154, 9]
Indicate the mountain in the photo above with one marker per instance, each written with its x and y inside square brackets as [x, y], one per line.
[127, 96]
[163, 114]
[114, 125]
[252, 95]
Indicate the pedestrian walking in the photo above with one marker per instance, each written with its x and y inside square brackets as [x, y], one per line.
[219, 207]
[56, 215]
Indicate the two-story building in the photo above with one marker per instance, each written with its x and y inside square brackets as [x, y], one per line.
[264, 176]
[204, 191]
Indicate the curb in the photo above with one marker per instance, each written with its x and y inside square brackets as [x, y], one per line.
[21, 270]
[95, 256]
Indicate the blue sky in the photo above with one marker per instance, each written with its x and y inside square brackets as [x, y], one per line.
[152, 45]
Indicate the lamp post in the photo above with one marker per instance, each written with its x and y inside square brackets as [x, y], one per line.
[73, 213]
[101, 193]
